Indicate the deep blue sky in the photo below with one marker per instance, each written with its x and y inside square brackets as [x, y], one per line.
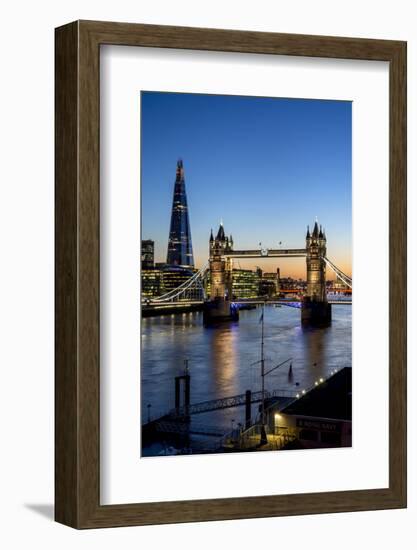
[266, 166]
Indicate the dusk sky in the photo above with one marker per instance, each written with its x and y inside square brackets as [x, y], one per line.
[267, 167]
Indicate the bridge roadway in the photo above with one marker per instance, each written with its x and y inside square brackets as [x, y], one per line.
[189, 303]
[268, 253]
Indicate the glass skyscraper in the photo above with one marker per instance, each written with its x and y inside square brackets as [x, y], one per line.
[180, 248]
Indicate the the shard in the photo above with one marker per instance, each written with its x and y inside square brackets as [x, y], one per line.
[180, 248]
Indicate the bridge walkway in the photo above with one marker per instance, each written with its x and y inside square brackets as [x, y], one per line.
[286, 396]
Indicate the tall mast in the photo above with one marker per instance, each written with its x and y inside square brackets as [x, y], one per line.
[263, 366]
[264, 439]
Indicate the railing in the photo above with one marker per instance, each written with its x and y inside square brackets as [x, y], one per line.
[251, 438]
[229, 402]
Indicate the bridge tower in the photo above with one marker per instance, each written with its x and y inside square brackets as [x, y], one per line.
[220, 307]
[316, 311]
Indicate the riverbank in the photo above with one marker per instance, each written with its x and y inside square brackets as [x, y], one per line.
[169, 309]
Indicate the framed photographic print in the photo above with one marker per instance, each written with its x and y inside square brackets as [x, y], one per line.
[230, 274]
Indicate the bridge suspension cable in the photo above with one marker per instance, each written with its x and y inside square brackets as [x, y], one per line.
[342, 276]
[196, 284]
[197, 280]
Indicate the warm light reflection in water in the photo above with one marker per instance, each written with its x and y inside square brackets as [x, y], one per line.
[221, 359]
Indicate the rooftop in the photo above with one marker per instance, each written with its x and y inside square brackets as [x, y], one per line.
[330, 399]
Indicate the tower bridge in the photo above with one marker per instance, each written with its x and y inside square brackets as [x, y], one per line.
[221, 305]
[315, 309]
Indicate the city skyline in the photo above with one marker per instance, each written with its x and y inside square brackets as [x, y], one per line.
[266, 167]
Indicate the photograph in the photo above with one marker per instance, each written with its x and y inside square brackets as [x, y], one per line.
[246, 276]
[189, 191]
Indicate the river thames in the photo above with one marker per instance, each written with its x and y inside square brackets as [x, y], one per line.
[224, 361]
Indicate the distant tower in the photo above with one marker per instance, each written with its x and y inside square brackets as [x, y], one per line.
[220, 267]
[278, 280]
[315, 310]
[180, 248]
[316, 267]
[220, 307]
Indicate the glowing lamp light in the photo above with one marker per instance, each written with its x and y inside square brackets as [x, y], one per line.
[321, 380]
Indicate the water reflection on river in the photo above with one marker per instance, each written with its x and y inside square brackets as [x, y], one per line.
[221, 359]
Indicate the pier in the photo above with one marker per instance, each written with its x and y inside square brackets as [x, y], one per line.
[177, 428]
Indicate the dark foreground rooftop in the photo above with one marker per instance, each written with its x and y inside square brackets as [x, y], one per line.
[330, 399]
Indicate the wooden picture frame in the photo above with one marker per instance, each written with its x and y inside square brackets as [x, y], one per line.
[77, 406]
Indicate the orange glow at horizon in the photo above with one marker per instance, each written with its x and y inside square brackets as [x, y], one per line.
[289, 267]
